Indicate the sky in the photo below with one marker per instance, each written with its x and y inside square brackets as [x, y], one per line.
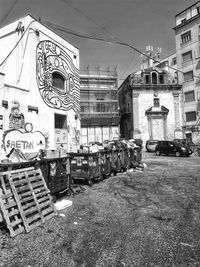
[137, 23]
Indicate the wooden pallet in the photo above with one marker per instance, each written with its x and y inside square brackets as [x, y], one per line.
[31, 196]
[9, 208]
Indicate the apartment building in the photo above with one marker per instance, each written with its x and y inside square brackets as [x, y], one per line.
[99, 105]
[187, 37]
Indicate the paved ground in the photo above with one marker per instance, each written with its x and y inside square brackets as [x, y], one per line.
[149, 218]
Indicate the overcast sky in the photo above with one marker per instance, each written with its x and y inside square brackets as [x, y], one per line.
[136, 22]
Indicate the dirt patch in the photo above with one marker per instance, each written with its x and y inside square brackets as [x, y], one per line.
[149, 218]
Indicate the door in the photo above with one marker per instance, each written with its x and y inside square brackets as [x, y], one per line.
[170, 148]
[157, 129]
[60, 131]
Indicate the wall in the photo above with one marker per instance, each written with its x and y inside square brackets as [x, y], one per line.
[145, 101]
[28, 82]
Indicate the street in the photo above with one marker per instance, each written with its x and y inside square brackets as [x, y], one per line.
[148, 218]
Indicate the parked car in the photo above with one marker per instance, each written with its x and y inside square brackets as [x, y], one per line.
[151, 145]
[185, 142]
[172, 148]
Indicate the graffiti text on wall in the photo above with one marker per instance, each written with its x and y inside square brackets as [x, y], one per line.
[53, 59]
[23, 140]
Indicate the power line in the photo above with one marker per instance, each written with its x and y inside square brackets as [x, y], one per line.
[117, 40]
[82, 35]
[16, 44]
[90, 19]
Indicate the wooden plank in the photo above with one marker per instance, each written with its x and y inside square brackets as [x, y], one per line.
[43, 198]
[41, 193]
[23, 195]
[10, 204]
[24, 200]
[17, 199]
[28, 205]
[17, 171]
[33, 218]
[30, 210]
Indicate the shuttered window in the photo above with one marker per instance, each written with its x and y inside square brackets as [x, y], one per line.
[186, 37]
[188, 76]
[189, 96]
[187, 56]
[190, 116]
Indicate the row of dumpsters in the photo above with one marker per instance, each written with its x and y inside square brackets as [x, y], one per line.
[63, 172]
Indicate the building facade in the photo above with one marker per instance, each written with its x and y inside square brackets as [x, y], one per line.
[40, 89]
[99, 105]
[187, 37]
[149, 102]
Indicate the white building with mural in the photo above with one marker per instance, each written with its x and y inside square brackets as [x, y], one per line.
[39, 88]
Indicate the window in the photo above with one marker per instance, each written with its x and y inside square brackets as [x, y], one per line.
[147, 80]
[161, 78]
[183, 20]
[186, 37]
[156, 102]
[154, 77]
[189, 96]
[187, 56]
[58, 81]
[188, 76]
[60, 121]
[190, 116]
[174, 61]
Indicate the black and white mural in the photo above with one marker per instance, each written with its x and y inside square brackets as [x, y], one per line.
[57, 77]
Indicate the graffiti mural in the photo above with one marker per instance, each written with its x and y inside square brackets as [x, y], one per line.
[53, 59]
[16, 119]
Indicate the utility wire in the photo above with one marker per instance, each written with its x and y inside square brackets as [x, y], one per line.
[9, 11]
[117, 40]
[87, 17]
[16, 43]
[82, 35]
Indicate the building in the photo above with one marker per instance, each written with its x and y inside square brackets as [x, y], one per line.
[187, 37]
[99, 105]
[39, 88]
[149, 101]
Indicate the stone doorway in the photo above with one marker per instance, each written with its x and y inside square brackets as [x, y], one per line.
[157, 122]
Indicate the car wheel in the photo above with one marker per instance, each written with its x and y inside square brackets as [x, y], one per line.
[178, 154]
[157, 153]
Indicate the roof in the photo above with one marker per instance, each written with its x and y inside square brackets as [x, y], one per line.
[43, 24]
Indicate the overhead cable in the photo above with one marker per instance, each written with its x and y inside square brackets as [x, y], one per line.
[82, 35]
[16, 44]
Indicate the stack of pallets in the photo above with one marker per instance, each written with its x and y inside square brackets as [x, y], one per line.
[25, 201]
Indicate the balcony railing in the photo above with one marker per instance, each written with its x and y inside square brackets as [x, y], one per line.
[99, 115]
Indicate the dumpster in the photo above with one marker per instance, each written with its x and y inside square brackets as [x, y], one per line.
[57, 174]
[105, 157]
[56, 171]
[115, 162]
[86, 166]
[135, 156]
[125, 159]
